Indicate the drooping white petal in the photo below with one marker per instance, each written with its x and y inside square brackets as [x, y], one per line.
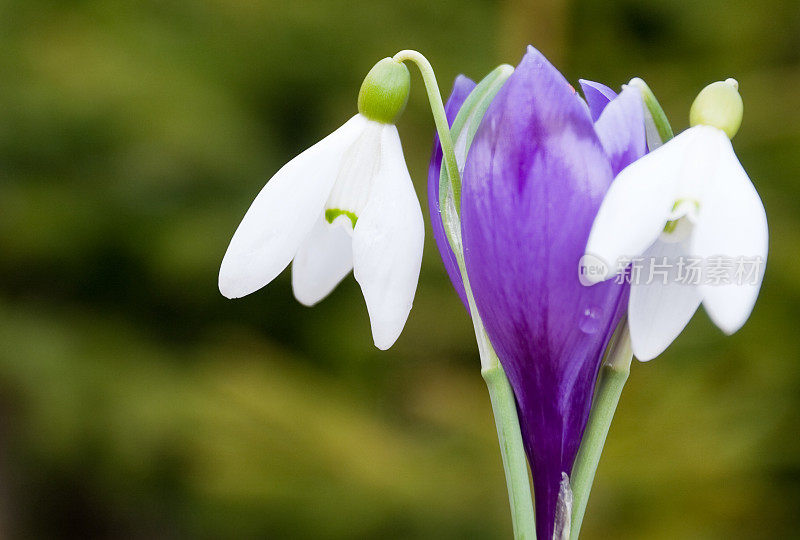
[664, 296]
[322, 261]
[387, 244]
[283, 214]
[732, 237]
[636, 207]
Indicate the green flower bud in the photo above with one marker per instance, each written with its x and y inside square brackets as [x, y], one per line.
[384, 92]
[720, 105]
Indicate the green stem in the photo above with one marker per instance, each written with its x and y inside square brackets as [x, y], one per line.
[506, 420]
[437, 109]
[511, 451]
[504, 405]
[613, 374]
[509, 434]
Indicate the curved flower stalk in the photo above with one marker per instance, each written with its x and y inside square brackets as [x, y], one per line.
[690, 223]
[347, 203]
[534, 179]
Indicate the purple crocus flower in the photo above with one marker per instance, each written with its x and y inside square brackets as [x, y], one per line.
[597, 96]
[534, 179]
[462, 87]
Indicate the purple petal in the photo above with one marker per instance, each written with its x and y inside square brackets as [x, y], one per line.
[461, 89]
[535, 177]
[621, 129]
[597, 96]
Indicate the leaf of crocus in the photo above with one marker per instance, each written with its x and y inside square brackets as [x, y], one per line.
[462, 87]
[464, 109]
[463, 131]
[469, 116]
[656, 124]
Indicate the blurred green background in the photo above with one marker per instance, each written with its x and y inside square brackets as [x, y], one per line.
[136, 402]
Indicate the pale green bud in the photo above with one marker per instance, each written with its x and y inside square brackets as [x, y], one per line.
[384, 92]
[720, 105]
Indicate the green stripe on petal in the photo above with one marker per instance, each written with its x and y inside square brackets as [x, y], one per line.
[332, 213]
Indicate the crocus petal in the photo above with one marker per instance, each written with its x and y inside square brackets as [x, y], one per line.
[636, 208]
[621, 129]
[534, 179]
[597, 96]
[322, 261]
[732, 225]
[387, 244]
[283, 214]
[661, 305]
[461, 89]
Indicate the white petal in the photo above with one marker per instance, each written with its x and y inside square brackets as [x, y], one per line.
[283, 214]
[636, 207]
[732, 227]
[658, 312]
[322, 261]
[387, 244]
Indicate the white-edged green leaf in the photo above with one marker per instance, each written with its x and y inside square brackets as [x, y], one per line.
[657, 128]
[462, 132]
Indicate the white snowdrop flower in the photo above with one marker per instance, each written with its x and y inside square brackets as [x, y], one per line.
[687, 202]
[347, 203]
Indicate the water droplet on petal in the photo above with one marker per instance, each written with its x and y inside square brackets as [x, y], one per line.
[590, 320]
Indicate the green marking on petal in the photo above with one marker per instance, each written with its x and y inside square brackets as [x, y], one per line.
[673, 224]
[332, 213]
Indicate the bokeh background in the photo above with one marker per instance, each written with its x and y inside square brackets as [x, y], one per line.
[136, 402]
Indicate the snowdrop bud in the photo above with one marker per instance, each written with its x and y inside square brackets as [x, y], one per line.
[384, 92]
[720, 105]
